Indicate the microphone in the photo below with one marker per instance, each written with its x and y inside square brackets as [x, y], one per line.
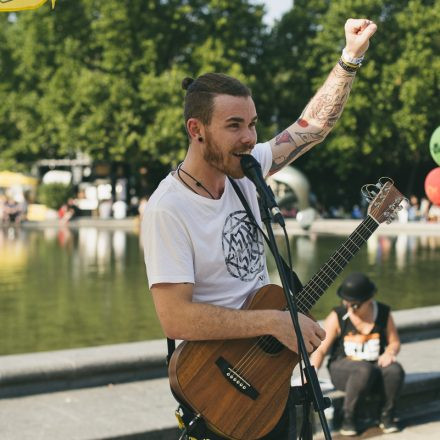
[252, 170]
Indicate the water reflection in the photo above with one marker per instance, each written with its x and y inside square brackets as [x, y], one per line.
[62, 288]
[403, 249]
[400, 266]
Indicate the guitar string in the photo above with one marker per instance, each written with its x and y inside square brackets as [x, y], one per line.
[245, 366]
[350, 246]
[334, 259]
[275, 342]
[271, 343]
[354, 241]
[349, 241]
[303, 292]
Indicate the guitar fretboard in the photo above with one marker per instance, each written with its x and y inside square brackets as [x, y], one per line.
[314, 289]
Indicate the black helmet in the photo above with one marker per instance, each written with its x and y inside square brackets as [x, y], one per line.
[357, 287]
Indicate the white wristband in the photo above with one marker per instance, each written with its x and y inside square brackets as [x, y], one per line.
[351, 60]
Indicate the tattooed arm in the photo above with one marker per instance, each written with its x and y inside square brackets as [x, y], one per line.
[316, 121]
[325, 108]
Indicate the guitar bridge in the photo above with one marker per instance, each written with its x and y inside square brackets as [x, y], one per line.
[235, 379]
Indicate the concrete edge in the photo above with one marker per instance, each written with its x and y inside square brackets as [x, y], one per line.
[405, 412]
[32, 373]
[347, 226]
[93, 366]
[327, 226]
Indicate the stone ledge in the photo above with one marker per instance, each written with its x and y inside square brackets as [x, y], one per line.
[49, 371]
[31, 373]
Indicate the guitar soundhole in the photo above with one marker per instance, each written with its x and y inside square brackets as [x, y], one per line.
[270, 345]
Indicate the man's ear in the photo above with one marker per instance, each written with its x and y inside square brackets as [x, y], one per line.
[195, 129]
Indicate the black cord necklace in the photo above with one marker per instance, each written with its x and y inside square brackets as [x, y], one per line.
[198, 183]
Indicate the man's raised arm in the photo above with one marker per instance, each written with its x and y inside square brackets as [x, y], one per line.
[325, 108]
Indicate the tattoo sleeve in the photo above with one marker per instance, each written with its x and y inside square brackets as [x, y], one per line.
[326, 106]
[316, 121]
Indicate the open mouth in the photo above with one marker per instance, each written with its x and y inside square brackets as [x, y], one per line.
[243, 153]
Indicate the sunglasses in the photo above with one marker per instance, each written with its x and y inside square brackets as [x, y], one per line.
[354, 305]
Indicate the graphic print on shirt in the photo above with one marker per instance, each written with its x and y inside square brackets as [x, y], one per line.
[243, 247]
[362, 347]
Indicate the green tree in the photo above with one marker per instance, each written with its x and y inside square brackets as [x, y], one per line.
[104, 77]
[54, 195]
[386, 124]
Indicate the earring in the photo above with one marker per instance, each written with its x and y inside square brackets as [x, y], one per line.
[200, 139]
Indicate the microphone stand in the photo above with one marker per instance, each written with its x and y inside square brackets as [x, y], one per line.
[311, 391]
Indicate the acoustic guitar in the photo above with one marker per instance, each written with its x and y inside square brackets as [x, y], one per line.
[240, 386]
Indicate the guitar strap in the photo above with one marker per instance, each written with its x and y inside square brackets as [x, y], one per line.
[295, 284]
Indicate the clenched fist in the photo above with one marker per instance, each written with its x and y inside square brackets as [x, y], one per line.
[358, 32]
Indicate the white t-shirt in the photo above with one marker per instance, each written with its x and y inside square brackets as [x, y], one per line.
[189, 238]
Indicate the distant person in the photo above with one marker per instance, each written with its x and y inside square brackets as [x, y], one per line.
[434, 213]
[337, 212]
[356, 212]
[413, 209]
[424, 208]
[363, 343]
[2, 209]
[105, 209]
[119, 209]
[68, 211]
[402, 214]
[142, 205]
[11, 212]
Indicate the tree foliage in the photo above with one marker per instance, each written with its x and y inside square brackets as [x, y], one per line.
[54, 195]
[104, 77]
[393, 107]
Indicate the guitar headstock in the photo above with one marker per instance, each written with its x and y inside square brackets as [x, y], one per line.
[384, 199]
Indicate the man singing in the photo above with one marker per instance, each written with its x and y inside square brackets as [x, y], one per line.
[202, 262]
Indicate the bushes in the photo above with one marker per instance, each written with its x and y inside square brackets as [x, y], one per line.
[53, 195]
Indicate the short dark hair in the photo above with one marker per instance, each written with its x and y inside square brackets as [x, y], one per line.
[200, 94]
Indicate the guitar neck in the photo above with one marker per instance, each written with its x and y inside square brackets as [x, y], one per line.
[314, 289]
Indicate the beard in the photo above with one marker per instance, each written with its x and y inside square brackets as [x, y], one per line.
[220, 159]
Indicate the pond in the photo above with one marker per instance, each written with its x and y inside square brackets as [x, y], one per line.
[63, 288]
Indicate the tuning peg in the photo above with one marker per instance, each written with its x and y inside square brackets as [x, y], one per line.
[391, 217]
[384, 180]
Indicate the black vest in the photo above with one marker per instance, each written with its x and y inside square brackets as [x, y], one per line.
[356, 346]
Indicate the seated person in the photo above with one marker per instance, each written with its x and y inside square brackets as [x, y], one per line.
[12, 212]
[363, 343]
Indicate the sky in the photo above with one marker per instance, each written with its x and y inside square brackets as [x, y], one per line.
[275, 9]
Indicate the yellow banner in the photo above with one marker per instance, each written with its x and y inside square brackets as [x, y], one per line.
[21, 5]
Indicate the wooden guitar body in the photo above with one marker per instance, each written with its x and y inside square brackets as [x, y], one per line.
[249, 407]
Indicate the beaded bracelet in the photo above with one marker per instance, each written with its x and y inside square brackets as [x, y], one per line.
[355, 66]
[348, 68]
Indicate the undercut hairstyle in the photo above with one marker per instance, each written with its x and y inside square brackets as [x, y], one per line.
[200, 94]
